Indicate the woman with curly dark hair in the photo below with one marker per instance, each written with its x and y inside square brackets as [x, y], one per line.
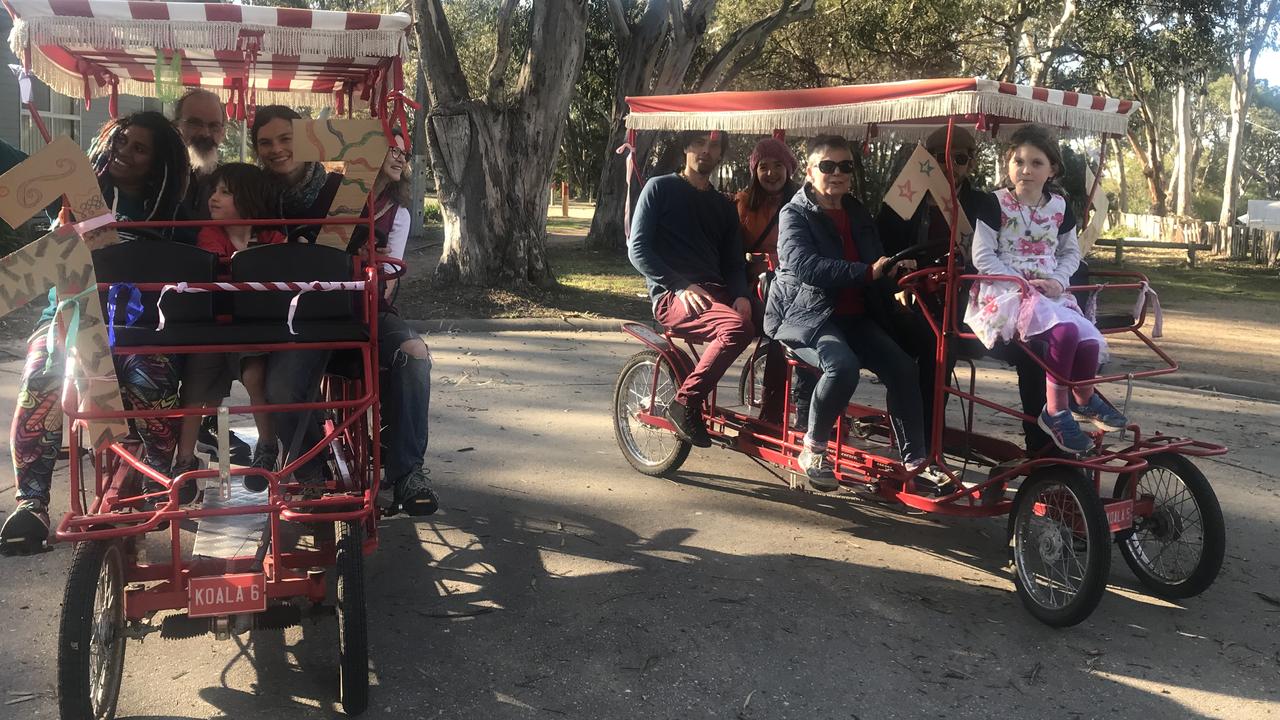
[142, 169]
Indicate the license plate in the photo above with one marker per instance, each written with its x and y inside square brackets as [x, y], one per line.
[227, 594]
[1120, 515]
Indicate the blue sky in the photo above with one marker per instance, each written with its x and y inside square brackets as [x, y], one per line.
[1269, 67]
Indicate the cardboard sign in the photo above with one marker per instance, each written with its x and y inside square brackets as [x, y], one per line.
[62, 259]
[361, 146]
[923, 176]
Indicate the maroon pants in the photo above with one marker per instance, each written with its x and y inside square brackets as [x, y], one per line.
[723, 330]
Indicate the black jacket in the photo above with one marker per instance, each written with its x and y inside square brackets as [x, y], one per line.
[812, 269]
[898, 234]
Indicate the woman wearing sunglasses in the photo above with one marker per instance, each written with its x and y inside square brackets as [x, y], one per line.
[828, 303]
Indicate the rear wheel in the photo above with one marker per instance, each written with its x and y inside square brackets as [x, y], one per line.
[649, 449]
[91, 633]
[1061, 546]
[353, 637]
[1177, 551]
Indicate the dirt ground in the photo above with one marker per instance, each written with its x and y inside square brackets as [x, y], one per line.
[558, 583]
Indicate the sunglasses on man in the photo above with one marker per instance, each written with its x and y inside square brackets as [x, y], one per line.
[958, 158]
[826, 167]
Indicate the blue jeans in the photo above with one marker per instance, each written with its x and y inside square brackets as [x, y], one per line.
[405, 384]
[843, 346]
[293, 376]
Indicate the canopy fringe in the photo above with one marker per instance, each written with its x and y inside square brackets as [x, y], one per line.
[151, 34]
[844, 118]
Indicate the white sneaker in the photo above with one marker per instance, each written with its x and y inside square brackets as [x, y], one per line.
[817, 470]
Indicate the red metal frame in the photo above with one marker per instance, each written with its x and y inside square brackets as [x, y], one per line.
[779, 444]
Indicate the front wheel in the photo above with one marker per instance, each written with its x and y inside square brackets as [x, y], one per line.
[647, 385]
[1177, 551]
[91, 633]
[1061, 546]
[353, 633]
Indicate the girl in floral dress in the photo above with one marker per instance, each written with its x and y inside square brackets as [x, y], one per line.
[1034, 237]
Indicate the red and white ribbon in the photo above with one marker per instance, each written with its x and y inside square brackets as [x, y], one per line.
[85, 227]
[298, 287]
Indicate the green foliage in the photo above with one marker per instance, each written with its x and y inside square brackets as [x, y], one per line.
[587, 132]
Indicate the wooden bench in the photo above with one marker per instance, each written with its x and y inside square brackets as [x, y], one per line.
[1134, 242]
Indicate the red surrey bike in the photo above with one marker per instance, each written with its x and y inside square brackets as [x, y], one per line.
[1144, 494]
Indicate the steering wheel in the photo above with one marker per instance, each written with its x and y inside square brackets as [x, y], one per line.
[920, 253]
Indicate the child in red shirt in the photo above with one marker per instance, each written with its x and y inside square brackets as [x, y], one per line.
[240, 192]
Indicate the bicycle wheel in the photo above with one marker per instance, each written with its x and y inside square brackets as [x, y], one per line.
[1061, 546]
[91, 633]
[651, 450]
[1177, 551]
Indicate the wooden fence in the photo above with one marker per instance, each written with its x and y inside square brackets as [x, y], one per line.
[1235, 243]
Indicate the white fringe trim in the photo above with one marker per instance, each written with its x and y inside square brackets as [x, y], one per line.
[852, 119]
[72, 85]
[150, 34]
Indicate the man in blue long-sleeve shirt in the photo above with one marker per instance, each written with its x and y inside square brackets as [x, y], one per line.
[684, 240]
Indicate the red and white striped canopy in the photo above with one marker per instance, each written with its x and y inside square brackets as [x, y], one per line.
[80, 47]
[907, 109]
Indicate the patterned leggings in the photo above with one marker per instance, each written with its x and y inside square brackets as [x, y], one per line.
[147, 382]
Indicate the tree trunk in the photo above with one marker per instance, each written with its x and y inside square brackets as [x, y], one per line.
[492, 158]
[1124, 184]
[1182, 173]
[494, 222]
[1240, 82]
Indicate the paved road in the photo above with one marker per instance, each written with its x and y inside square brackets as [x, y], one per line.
[558, 583]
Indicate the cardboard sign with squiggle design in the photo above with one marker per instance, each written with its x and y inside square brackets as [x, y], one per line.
[63, 260]
[361, 145]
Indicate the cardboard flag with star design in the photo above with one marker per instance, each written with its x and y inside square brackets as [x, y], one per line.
[923, 176]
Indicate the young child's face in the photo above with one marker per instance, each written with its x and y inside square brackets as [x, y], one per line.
[1029, 168]
[222, 205]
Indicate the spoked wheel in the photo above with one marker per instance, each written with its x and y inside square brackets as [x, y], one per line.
[1061, 546]
[1177, 551]
[651, 450]
[751, 383]
[91, 634]
[353, 633]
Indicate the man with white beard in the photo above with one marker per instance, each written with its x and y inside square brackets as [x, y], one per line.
[200, 118]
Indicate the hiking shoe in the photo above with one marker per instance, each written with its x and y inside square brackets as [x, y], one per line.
[1100, 412]
[689, 425]
[817, 470]
[207, 442]
[26, 529]
[1065, 432]
[189, 489]
[265, 457]
[413, 494]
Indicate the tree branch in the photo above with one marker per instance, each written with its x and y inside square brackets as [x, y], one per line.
[746, 45]
[501, 52]
[618, 17]
[446, 83]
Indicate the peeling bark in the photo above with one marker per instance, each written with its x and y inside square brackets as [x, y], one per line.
[492, 157]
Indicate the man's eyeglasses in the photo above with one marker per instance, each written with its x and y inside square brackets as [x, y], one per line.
[959, 158]
[213, 127]
[826, 167]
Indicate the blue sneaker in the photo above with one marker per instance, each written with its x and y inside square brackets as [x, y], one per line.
[1065, 432]
[1100, 413]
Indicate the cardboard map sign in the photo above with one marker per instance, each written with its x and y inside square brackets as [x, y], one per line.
[361, 146]
[923, 176]
[63, 260]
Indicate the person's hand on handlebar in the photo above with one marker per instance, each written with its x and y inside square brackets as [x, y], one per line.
[694, 299]
[1049, 287]
[886, 265]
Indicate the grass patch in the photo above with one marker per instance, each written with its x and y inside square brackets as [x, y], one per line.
[592, 283]
[568, 225]
[1214, 279]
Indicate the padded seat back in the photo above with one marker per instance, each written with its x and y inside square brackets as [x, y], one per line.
[151, 261]
[294, 262]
